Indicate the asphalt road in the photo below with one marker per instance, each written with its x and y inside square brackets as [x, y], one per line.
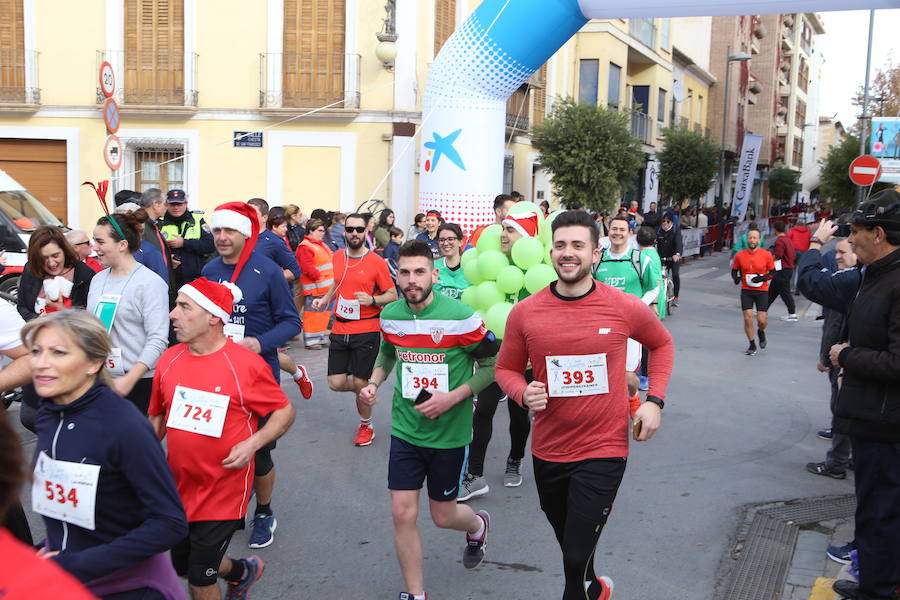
[736, 430]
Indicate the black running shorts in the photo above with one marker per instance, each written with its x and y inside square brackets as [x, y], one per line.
[198, 556]
[353, 354]
[758, 298]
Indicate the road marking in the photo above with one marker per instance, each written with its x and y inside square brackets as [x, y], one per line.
[822, 589]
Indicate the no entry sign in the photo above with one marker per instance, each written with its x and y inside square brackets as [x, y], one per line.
[865, 170]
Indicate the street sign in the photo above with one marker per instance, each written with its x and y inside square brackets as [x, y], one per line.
[113, 152]
[111, 115]
[107, 79]
[248, 139]
[865, 170]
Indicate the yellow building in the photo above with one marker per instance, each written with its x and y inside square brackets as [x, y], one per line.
[337, 111]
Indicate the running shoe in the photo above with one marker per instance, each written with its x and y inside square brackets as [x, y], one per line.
[475, 547]
[512, 477]
[751, 350]
[823, 469]
[304, 382]
[364, 435]
[263, 533]
[643, 383]
[841, 554]
[846, 588]
[791, 318]
[473, 485]
[408, 596]
[606, 588]
[675, 302]
[824, 434]
[253, 570]
[762, 338]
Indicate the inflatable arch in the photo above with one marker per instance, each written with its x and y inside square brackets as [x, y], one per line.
[493, 53]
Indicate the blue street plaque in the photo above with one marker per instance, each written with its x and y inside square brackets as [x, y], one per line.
[248, 139]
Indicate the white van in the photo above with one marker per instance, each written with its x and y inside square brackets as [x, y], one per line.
[20, 214]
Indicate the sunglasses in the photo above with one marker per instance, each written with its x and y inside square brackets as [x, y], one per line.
[355, 229]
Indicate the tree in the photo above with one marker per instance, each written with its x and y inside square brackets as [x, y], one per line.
[884, 93]
[589, 152]
[836, 187]
[783, 183]
[688, 164]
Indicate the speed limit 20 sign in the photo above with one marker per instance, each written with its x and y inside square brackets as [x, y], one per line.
[107, 79]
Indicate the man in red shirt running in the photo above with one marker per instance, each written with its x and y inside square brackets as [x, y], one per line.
[752, 269]
[208, 395]
[580, 439]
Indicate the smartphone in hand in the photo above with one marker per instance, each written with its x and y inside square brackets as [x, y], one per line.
[424, 396]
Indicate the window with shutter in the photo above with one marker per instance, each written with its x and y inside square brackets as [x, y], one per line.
[163, 169]
[12, 51]
[154, 52]
[314, 56]
[540, 96]
[444, 22]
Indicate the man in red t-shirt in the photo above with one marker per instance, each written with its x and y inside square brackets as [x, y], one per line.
[208, 395]
[580, 435]
[752, 269]
[362, 285]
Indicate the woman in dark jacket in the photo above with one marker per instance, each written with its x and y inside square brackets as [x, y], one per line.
[54, 278]
[101, 481]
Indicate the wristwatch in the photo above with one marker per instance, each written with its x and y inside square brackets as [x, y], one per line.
[374, 301]
[657, 401]
[815, 240]
[374, 383]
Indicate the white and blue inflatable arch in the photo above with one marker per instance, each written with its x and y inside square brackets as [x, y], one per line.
[493, 53]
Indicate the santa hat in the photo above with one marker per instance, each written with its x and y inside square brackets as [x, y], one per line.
[525, 223]
[244, 219]
[215, 298]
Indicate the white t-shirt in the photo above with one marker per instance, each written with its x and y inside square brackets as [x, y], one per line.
[11, 324]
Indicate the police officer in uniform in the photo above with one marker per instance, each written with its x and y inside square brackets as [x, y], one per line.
[188, 237]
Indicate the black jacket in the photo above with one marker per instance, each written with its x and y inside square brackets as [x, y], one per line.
[668, 243]
[153, 236]
[868, 405]
[30, 286]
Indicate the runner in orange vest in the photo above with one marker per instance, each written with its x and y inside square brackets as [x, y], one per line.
[316, 277]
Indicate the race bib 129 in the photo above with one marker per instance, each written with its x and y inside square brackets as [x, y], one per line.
[348, 309]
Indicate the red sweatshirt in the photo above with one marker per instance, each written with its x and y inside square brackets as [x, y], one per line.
[575, 428]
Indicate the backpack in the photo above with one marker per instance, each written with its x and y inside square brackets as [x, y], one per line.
[635, 261]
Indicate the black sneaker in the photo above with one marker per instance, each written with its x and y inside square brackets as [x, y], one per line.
[751, 350]
[408, 596]
[826, 471]
[824, 434]
[474, 552]
[762, 338]
[846, 588]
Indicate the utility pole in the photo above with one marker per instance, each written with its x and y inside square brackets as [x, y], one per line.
[864, 119]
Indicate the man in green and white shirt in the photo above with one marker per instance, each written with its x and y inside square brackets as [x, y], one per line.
[432, 343]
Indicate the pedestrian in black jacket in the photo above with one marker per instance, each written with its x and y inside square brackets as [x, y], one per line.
[868, 404]
[101, 481]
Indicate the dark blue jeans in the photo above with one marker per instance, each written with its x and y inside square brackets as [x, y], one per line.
[877, 475]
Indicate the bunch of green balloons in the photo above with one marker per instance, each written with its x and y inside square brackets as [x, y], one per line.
[499, 281]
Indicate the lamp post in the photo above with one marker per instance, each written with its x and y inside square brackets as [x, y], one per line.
[740, 56]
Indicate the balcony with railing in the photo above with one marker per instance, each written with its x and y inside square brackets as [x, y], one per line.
[19, 80]
[153, 81]
[643, 30]
[309, 80]
[641, 126]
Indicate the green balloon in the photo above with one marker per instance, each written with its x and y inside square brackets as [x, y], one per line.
[490, 262]
[538, 277]
[527, 252]
[472, 273]
[524, 207]
[468, 256]
[496, 316]
[487, 295]
[468, 297]
[545, 231]
[547, 259]
[510, 279]
[490, 238]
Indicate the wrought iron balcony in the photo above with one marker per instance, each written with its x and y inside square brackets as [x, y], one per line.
[19, 77]
[309, 80]
[153, 78]
[641, 126]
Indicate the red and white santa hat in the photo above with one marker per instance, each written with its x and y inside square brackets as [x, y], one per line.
[215, 298]
[244, 219]
[525, 223]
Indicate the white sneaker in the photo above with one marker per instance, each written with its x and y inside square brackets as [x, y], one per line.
[792, 318]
